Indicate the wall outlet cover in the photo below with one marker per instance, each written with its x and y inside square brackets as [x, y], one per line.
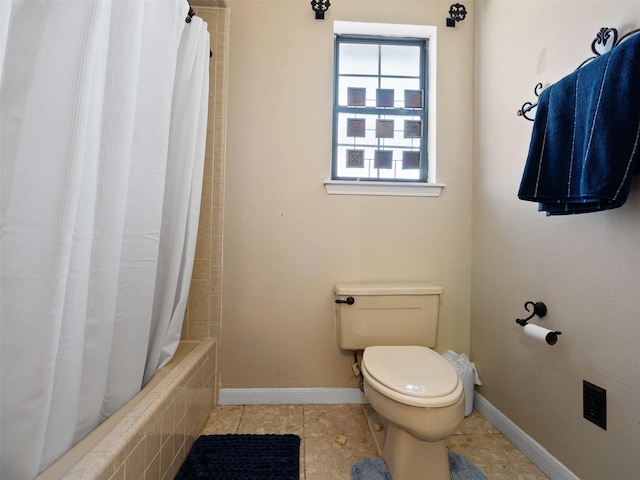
[594, 404]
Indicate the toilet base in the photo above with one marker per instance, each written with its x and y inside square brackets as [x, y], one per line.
[377, 429]
[438, 467]
[408, 458]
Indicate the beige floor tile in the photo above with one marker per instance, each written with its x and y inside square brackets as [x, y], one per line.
[332, 420]
[496, 457]
[223, 420]
[277, 419]
[476, 424]
[327, 459]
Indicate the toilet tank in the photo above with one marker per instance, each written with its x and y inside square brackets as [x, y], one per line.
[387, 314]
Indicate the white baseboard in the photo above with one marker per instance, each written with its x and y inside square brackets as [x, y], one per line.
[527, 445]
[290, 396]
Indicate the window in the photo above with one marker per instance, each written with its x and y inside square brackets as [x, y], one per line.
[372, 127]
[380, 109]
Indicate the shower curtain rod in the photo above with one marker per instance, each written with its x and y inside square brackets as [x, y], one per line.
[190, 15]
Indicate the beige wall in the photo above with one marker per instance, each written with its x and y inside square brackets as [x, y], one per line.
[586, 268]
[286, 241]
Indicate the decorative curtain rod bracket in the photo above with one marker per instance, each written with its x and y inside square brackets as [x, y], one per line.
[457, 13]
[320, 7]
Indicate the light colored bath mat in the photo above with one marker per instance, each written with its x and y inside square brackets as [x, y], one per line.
[374, 468]
[464, 469]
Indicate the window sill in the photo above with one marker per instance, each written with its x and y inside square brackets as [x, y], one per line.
[398, 189]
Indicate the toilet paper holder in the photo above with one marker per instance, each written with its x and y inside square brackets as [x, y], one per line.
[539, 309]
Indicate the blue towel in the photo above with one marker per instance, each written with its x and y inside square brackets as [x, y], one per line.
[584, 145]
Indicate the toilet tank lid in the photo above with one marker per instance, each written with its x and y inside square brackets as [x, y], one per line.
[398, 288]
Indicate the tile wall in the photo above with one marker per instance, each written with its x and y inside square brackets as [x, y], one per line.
[202, 318]
[154, 437]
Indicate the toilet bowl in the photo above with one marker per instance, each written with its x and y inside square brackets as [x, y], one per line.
[421, 399]
[415, 391]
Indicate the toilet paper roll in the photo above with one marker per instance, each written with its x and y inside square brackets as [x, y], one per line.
[541, 334]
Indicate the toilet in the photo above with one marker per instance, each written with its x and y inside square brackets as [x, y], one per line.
[414, 390]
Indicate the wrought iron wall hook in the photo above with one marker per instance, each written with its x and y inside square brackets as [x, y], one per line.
[457, 13]
[320, 7]
[539, 309]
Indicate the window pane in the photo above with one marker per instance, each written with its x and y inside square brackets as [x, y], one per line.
[369, 137]
[400, 60]
[358, 59]
[370, 83]
[400, 85]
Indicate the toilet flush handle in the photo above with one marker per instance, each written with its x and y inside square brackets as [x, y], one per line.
[348, 301]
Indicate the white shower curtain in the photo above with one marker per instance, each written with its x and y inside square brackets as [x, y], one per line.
[103, 109]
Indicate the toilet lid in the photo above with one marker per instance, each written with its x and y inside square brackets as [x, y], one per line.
[412, 370]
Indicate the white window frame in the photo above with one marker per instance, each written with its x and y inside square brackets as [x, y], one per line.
[427, 189]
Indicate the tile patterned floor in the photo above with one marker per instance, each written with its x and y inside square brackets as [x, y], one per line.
[334, 437]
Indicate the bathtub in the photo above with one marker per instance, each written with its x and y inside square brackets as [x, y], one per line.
[150, 436]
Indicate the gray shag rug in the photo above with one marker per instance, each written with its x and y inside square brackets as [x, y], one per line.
[374, 468]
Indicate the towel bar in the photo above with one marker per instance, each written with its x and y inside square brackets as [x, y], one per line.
[605, 40]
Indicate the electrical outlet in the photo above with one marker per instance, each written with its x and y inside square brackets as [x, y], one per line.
[594, 404]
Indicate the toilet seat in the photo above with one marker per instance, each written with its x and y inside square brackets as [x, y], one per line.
[413, 375]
